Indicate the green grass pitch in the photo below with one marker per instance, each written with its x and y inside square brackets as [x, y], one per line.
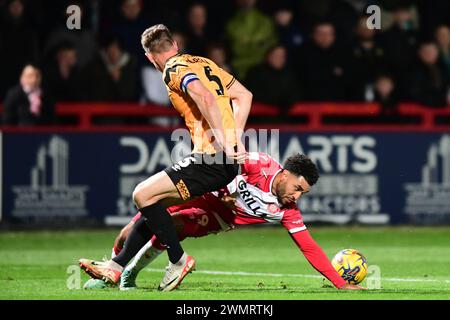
[260, 264]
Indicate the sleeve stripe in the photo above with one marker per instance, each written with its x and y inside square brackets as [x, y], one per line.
[294, 230]
[187, 82]
[231, 83]
[187, 79]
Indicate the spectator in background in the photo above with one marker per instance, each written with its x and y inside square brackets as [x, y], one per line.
[288, 32]
[271, 82]
[400, 44]
[62, 76]
[432, 14]
[112, 76]
[322, 66]
[218, 53]
[344, 15]
[27, 104]
[154, 88]
[250, 34]
[385, 94]
[155, 92]
[366, 57]
[197, 33]
[18, 44]
[430, 80]
[129, 28]
[442, 36]
[180, 39]
[83, 39]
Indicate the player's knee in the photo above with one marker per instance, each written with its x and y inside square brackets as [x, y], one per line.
[136, 196]
[140, 198]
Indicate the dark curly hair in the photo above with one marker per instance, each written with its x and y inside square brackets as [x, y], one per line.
[301, 165]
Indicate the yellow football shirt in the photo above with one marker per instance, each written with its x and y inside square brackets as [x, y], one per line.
[178, 72]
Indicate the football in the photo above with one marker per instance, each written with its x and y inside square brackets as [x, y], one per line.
[351, 265]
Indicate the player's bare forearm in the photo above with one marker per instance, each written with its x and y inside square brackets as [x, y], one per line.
[242, 102]
[317, 258]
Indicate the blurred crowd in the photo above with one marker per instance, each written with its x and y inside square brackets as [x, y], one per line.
[283, 51]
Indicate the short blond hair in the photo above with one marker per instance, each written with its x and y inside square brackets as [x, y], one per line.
[157, 39]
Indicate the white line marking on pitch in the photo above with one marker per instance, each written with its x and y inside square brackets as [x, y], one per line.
[284, 275]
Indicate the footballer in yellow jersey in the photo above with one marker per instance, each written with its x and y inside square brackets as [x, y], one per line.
[215, 107]
[182, 69]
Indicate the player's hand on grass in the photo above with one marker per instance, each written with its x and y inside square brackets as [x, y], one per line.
[348, 286]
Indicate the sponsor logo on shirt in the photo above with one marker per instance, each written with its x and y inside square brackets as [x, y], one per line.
[247, 196]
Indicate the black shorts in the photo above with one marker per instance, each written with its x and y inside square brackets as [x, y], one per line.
[198, 174]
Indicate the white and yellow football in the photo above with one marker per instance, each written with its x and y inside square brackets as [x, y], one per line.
[351, 265]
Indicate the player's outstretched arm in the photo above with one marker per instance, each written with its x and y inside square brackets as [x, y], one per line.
[207, 105]
[318, 259]
[242, 102]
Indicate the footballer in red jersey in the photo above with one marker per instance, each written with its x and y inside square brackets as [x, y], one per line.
[265, 192]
